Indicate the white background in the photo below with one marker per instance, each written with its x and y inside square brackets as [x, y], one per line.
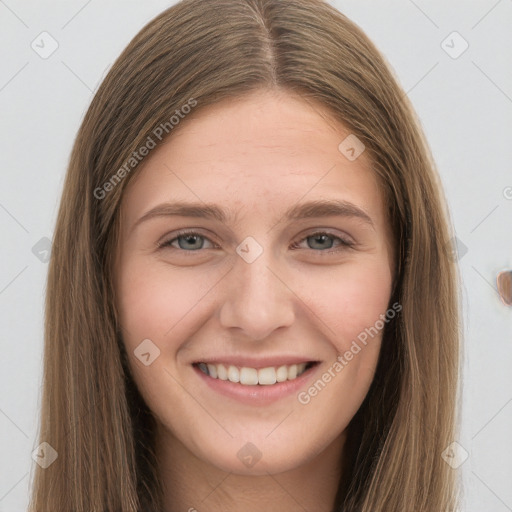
[465, 106]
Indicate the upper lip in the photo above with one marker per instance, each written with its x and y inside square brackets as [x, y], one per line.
[256, 362]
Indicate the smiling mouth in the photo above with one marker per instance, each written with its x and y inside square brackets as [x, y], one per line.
[252, 376]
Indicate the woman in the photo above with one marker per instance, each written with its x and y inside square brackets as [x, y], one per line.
[256, 369]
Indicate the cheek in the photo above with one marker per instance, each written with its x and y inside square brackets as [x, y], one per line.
[352, 301]
[153, 299]
[349, 299]
[159, 304]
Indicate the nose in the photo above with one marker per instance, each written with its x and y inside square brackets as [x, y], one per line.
[258, 299]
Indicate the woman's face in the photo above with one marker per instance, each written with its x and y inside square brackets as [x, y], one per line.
[263, 283]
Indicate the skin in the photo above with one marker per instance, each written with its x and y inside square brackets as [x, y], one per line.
[256, 156]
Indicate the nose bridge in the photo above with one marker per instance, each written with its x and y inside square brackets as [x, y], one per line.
[257, 301]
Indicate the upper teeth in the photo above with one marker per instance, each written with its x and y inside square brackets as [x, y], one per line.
[253, 376]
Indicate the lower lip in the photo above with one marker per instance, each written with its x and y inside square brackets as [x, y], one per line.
[258, 394]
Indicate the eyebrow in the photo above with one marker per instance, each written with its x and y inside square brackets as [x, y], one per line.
[311, 209]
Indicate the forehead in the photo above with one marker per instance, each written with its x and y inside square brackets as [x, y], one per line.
[264, 152]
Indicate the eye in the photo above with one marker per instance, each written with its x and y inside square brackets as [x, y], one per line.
[188, 241]
[321, 239]
[191, 241]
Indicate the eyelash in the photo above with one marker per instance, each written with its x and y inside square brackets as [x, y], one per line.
[344, 244]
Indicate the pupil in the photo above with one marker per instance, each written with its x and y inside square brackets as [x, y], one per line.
[190, 239]
[321, 238]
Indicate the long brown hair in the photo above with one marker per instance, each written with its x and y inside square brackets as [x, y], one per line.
[206, 51]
